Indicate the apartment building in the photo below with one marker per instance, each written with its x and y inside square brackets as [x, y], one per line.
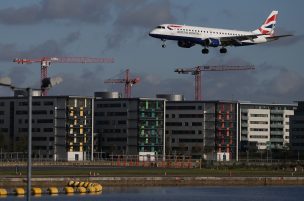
[201, 128]
[265, 126]
[297, 129]
[61, 126]
[128, 126]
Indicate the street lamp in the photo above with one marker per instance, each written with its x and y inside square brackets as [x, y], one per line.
[46, 84]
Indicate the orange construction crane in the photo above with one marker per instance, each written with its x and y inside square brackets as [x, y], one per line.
[127, 81]
[45, 63]
[196, 71]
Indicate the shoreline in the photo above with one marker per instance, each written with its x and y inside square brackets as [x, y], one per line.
[128, 181]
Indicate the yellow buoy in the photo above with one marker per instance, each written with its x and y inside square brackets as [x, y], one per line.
[98, 187]
[91, 189]
[36, 191]
[52, 190]
[81, 190]
[71, 183]
[81, 184]
[69, 190]
[76, 183]
[19, 191]
[3, 192]
[86, 184]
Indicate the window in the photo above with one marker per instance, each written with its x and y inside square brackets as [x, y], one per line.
[48, 103]
[48, 130]
[41, 121]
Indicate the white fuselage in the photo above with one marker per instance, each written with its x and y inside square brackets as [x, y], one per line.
[197, 35]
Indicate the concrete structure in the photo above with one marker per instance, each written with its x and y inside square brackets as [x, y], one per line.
[297, 129]
[61, 126]
[202, 129]
[127, 126]
[264, 126]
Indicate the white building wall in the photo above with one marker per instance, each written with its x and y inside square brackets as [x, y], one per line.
[259, 127]
[286, 129]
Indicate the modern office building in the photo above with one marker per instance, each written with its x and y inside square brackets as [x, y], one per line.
[297, 128]
[61, 126]
[201, 128]
[128, 126]
[264, 126]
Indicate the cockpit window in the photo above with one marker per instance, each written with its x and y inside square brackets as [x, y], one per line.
[160, 27]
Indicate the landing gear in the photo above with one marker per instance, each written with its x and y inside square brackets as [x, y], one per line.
[205, 51]
[164, 44]
[223, 50]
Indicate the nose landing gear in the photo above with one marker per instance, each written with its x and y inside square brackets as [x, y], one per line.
[164, 44]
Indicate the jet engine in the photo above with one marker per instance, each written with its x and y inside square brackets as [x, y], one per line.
[185, 44]
[212, 42]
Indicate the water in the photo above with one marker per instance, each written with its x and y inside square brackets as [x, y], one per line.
[290, 193]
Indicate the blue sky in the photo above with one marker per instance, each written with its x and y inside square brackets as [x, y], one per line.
[119, 29]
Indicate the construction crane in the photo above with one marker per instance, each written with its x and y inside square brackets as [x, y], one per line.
[129, 82]
[45, 63]
[196, 71]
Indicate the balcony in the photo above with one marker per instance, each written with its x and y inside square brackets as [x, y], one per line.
[276, 118]
[276, 133]
[276, 126]
[244, 117]
[276, 111]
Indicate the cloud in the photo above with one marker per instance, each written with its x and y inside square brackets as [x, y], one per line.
[141, 17]
[84, 84]
[93, 11]
[47, 48]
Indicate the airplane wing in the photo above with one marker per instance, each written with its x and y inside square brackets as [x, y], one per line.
[280, 36]
[235, 40]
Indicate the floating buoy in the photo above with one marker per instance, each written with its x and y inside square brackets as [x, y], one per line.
[91, 189]
[81, 190]
[76, 184]
[36, 191]
[3, 192]
[81, 184]
[70, 183]
[52, 190]
[86, 184]
[19, 191]
[98, 187]
[69, 190]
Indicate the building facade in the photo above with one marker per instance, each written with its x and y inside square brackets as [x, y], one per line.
[61, 126]
[297, 129]
[127, 126]
[265, 126]
[202, 129]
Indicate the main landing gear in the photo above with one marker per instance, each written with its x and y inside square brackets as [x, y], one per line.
[205, 51]
[223, 50]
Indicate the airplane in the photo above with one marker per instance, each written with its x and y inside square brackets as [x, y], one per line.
[188, 36]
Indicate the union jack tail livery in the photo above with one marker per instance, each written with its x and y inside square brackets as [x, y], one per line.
[268, 27]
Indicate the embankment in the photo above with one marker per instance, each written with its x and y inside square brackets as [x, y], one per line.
[9, 182]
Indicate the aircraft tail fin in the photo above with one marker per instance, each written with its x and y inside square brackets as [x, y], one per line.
[268, 27]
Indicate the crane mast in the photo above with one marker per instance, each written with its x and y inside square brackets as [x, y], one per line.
[197, 72]
[127, 81]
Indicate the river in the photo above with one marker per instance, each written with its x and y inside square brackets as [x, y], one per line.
[261, 193]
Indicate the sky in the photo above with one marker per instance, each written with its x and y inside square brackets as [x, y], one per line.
[119, 29]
